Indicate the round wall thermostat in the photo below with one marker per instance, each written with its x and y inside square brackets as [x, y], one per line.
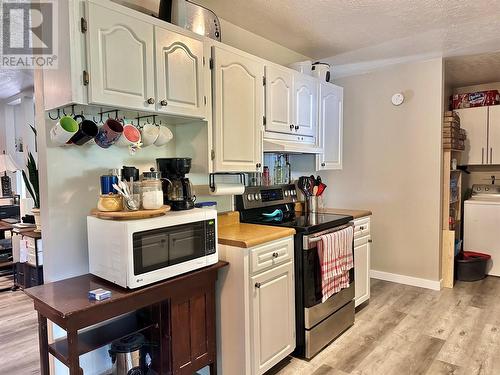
[398, 99]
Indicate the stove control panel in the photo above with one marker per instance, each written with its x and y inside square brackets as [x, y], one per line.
[263, 196]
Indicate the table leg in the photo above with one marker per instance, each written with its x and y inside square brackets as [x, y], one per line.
[213, 368]
[43, 343]
[73, 355]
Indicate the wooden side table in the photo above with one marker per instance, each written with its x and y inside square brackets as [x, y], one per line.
[182, 319]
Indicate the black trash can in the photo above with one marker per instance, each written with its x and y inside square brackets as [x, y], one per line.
[471, 266]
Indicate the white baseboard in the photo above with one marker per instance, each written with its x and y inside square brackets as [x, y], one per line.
[407, 280]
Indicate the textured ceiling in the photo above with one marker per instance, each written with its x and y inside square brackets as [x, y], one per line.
[473, 70]
[13, 81]
[326, 28]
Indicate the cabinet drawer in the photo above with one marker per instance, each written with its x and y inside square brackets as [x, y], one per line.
[270, 254]
[361, 241]
[361, 227]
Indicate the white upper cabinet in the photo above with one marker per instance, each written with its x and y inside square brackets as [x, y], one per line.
[475, 122]
[330, 126]
[279, 99]
[238, 105]
[306, 104]
[179, 74]
[494, 135]
[120, 52]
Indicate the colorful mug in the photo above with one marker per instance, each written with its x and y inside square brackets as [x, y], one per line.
[65, 128]
[88, 130]
[109, 133]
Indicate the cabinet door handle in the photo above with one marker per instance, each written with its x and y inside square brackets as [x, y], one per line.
[163, 103]
[323, 164]
[257, 285]
[370, 241]
[292, 126]
[491, 155]
[482, 155]
[361, 228]
[296, 127]
[275, 255]
[258, 165]
[151, 101]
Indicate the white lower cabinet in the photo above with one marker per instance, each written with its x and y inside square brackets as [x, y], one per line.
[256, 316]
[362, 241]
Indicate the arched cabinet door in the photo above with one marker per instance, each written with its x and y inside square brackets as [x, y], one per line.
[330, 126]
[179, 74]
[238, 99]
[279, 100]
[120, 57]
[306, 104]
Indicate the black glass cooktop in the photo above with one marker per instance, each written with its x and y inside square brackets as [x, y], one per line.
[304, 222]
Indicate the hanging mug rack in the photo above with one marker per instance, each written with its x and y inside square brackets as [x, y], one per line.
[103, 119]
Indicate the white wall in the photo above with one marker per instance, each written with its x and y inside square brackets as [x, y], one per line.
[474, 88]
[392, 164]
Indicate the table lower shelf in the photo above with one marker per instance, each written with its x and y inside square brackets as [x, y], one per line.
[98, 337]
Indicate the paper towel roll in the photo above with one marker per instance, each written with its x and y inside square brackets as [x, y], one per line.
[228, 189]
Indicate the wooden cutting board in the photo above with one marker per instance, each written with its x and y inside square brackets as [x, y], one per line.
[130, 215]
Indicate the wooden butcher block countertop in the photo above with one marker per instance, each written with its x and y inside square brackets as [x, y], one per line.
[343, 211]
[233, 233]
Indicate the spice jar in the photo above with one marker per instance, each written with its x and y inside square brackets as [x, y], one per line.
[151, 191]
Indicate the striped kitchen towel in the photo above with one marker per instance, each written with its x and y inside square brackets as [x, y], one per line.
[335, 258]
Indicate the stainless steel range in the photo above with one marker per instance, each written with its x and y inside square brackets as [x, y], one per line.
[317, 323]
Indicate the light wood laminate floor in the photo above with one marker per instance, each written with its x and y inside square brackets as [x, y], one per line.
[18, 335]
[403, 330]
[409, 330]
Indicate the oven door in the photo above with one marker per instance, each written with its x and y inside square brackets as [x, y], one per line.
[160, 248]
[311, 272]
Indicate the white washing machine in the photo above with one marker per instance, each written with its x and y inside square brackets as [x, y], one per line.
[482, 224]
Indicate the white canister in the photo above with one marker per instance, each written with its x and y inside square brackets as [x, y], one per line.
[321, 70]
[304, 67]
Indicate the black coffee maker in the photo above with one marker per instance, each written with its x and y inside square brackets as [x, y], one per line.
[177, 189]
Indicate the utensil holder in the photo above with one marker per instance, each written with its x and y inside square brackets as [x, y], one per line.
[312, 204]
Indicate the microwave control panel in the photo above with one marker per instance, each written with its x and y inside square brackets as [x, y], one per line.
[210, 240]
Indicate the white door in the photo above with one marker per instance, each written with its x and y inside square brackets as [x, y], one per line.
[273, 316]
[120, 56]
[306, 104]
[362, 272]
[475, 122]
[279, 100]
[331, 126]
[239, 101]
[494, 135]
[179, 74]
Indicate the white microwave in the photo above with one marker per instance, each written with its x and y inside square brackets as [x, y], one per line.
[134, 253]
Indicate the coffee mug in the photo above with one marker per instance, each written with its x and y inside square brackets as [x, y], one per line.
[65, 128]
[149, 134]
[164, 137]
[88, 130]
[131, 136]
[109, 133]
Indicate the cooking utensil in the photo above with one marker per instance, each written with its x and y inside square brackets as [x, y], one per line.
[123, 189]
[321, 189]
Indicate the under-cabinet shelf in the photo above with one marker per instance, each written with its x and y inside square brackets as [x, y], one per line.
[98, 337]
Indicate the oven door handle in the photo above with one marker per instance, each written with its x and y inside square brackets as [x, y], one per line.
[309, 242]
